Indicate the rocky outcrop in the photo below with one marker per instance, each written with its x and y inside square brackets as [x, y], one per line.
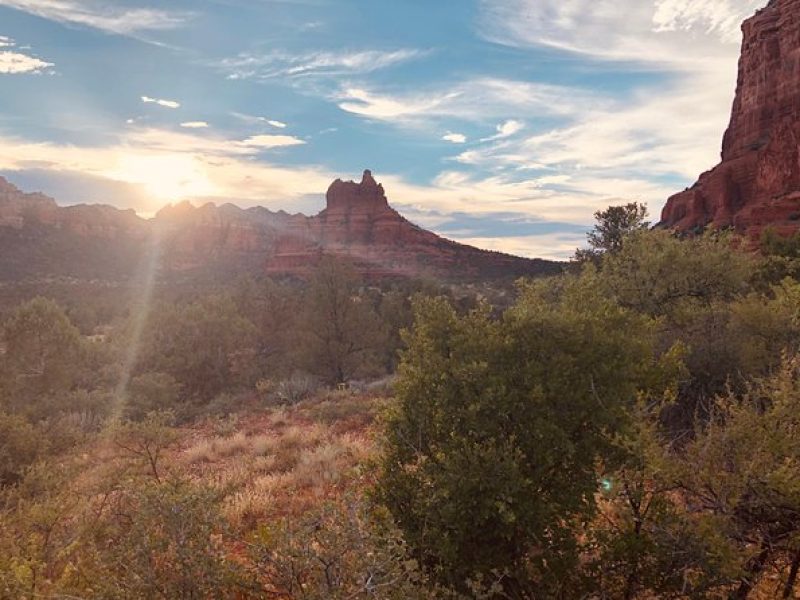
[757, 183]
[359, 225]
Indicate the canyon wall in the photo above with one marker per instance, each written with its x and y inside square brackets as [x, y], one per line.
[757, 183]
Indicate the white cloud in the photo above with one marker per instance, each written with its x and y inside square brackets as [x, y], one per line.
[278, 124]
[194, 125]
[13, 62]
[506, 129]
[455, 138]
[282, 64]
[272, 141]
[160, 102]
[100, 15]
[161, 140]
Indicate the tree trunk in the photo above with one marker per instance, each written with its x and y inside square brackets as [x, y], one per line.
[788, 589]
[754, 568]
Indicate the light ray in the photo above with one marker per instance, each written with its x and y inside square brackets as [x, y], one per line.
[142, 307]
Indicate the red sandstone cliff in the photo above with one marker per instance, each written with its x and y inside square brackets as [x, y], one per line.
[757, 184]
[358, 224]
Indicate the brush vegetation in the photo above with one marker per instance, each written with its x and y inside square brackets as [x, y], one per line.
[628, 429]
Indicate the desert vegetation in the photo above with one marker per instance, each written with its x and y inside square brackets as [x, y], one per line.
[627, 429]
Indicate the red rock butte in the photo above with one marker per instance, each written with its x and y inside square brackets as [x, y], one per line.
[358, 225]
[757, 183]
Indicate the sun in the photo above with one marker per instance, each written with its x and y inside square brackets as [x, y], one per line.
[166, 177]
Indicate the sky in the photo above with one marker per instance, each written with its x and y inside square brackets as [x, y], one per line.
[500, 123]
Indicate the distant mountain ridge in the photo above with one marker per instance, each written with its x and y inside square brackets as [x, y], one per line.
[38, 238]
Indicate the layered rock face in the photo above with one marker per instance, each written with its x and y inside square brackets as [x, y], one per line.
[358, 224]
[19, 210]
[757, 184]
[38, 238]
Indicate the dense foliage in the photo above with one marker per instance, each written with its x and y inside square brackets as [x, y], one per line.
[628, 429]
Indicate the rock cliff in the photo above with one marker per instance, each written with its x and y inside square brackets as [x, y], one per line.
[757, 183]
[358, 224]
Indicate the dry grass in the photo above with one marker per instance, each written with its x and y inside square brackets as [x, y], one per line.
[215, 449]
[282, 461]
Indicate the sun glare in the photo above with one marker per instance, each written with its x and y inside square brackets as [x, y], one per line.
[166, 177]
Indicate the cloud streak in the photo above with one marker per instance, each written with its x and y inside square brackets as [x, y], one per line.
[160, 102]
[104, 16]
[476, 99]
[272, 141]
[314, 64]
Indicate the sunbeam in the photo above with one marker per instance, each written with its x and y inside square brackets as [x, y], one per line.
[141, 307]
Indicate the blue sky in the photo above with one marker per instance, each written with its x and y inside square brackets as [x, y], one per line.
[501, 123]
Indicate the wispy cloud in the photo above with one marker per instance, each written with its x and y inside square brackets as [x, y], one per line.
[715, 17]
[476, 99]
[670, 128]
[105, 16]
[313, 64]
[194, 124]
[14, 62]
[160, 102]
[258, 120]
[658, 32]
